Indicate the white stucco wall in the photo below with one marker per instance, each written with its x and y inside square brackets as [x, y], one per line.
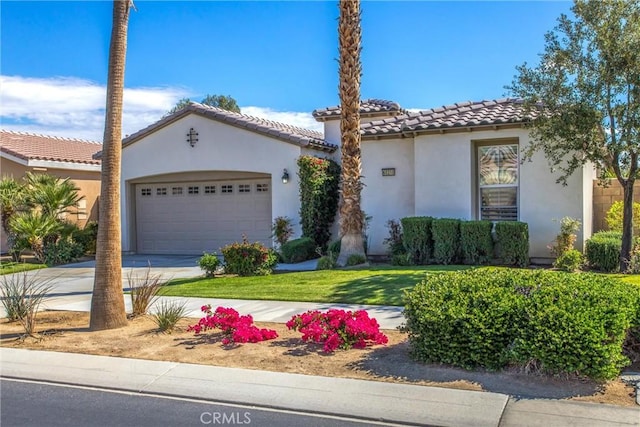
[220, 147]
[386, 197]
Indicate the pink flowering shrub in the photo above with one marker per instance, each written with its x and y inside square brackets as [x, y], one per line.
[236, 328]
[338, 329]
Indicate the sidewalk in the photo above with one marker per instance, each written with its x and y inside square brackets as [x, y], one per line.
[368, 400]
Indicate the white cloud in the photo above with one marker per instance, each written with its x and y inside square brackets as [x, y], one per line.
[303, 120]
[73, 107]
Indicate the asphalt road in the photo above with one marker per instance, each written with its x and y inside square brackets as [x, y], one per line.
[40, 404]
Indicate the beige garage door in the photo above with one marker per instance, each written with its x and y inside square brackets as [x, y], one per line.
[193, 217]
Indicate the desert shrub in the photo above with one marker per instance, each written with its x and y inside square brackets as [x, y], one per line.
[394, 240]
[476, 242]
[417, 238]
[446, 240]
[299, 250]
[614, 217]
[319, 193]
[236, 329]
[356, 259]
[21, 295]
[512, 242]
[577, 323]
[570, 260]
[167, 314]
[327, 262]
[602, 251]
[567, 237]
[144, 289]
[63, 251]
[209, 263]
[555, 321]
[338, 329]
[282, 229]
[248, 259]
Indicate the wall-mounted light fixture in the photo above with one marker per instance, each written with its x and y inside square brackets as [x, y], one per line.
[192, 137]
[285, 176]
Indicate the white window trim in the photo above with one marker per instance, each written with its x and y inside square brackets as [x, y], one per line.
[479, 187]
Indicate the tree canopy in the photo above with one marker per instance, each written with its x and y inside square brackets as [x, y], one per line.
[219, 101]
[583, 97]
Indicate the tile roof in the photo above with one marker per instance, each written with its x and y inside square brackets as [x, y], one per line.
[367, 107]
[297, 135]
[30, 146]
[461, 115]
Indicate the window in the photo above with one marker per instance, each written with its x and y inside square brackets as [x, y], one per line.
[176, 191]
[498, 182]
[226, 188]
[244, 188]
[209, 189]
[161, 191]
[262, 188]
[193, 190]
[145, 191]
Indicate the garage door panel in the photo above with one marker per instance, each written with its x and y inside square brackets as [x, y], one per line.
[193, 223]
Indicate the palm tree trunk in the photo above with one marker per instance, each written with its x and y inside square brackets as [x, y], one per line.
[107, 303]
[351, 215]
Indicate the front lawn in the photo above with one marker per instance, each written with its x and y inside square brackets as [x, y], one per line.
[16, 267]
[377, 285]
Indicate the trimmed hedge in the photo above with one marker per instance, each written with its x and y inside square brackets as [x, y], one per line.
[417, 238]
[603, 251]
[299, 250]
[512, 242]
[446, 240]
[561, 322]
[476, 242]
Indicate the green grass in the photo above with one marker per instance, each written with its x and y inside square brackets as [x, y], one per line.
[16, 267]
[629, 278]
[379, 285]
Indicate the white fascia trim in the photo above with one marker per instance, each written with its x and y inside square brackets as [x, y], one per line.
[52, 164]
[13, 158]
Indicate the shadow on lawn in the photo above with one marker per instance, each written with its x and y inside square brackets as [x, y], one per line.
[394, 361]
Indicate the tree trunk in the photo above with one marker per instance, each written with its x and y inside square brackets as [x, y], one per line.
[107, 303]
[351, 215]
[627, 226]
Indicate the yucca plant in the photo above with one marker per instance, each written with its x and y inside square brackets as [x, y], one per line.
[22, 294]
[167, 315]
[144, 290]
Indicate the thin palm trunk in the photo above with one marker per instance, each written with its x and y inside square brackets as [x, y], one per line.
[351, 215]
[107, 303]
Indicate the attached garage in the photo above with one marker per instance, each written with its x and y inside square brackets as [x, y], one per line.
[193, 217]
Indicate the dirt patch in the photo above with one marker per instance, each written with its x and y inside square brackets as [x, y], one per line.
[68, 331]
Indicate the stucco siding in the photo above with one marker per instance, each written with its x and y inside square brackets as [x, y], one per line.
[221, 148]
[386, 197]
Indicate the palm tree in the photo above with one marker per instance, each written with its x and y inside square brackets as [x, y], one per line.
[107, 302]
[55, 196]
[34, 228]
[351, 215]
[11, 200]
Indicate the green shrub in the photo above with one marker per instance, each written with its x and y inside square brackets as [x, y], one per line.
[417, 238]
[209, 264]
[299, 250]
[559, 322]
[394, 240]
[87, 237]
[402, 259]
[567, 237]
[614, 217]
[319, 193]
[63, 251]
[248, 259]
[466, 318]
[281, 229]
[446, 240]
[602, 251]
[570, 261]
[577, 324]
[327, 262]
[334, 247]
[476, 242]
[356, 259]
[512, 242]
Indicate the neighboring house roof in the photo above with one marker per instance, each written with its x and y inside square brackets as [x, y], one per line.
[368, 107]
[461, 115]
[49, 151]
[288, 133]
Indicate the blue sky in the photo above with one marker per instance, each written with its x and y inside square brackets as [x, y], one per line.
[277, 59]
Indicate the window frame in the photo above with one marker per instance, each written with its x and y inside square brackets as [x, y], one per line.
[480, 187]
